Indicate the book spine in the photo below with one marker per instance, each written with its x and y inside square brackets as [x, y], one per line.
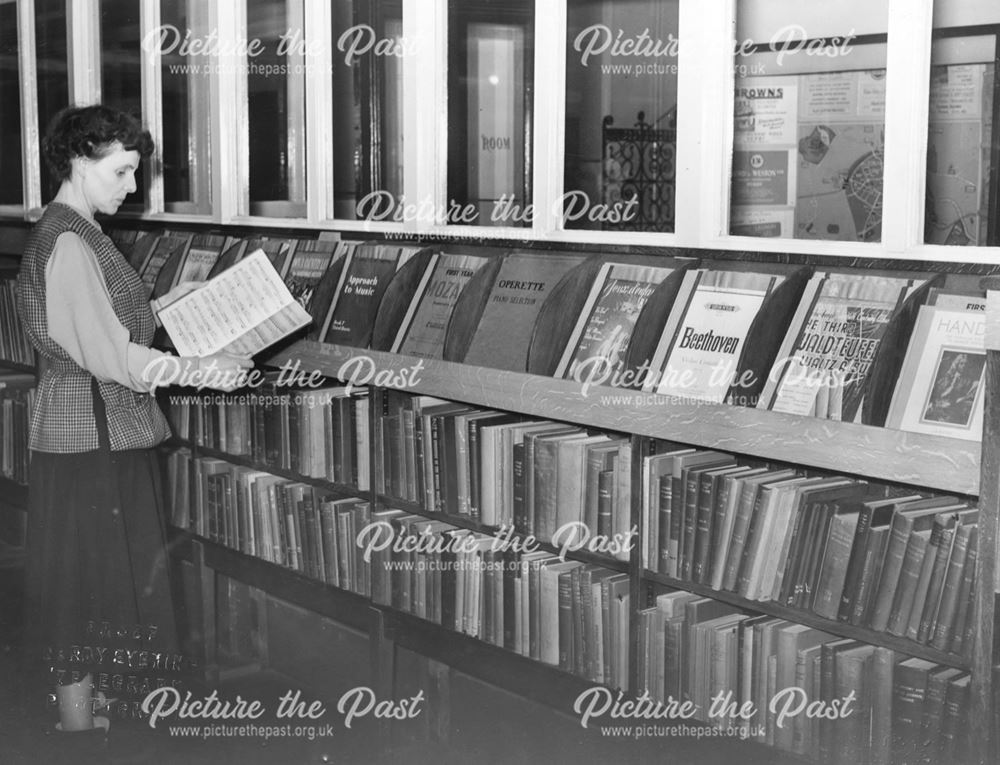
[941, 637]
[664, 500]
[964, 598]
[906, 589]
[741, 526]
[703, 529]
[888, 580]
[835, 567]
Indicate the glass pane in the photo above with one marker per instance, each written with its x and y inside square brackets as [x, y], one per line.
[276, 95]
[53, 74]
[809, 119]
[621, 115]
[121, 81]
[961, 202]
[367, 108]
[186, 122]
[11, 190]
[490, 71]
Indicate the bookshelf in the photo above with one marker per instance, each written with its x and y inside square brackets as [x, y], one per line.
[931, 462]
[943, 464]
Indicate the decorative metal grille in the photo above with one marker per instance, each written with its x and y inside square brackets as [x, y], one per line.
[639, 170]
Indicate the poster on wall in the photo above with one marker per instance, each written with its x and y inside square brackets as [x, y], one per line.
[840, 150]
[763, 180]
[809, 147]
[958, 152]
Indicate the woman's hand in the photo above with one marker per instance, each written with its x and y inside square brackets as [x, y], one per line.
[222, 371]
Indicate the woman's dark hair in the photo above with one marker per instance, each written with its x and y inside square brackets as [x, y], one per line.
[90, 131]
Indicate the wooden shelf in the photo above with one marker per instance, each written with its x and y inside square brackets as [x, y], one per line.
[933, 462]
[843, 629]
[486, 662]
[342, 606]
[467, 523]
[25, 377]
[523, 676]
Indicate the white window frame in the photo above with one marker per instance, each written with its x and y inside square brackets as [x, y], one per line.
[705, 90]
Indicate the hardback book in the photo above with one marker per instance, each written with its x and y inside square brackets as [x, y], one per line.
[309, 261]
[126, 239]
[699, 351]
[278, 250]
[791, 640]
[604, 325]
[140, 249]
[909, 695]
[907, 517]
[511, 304]
[655, 467]
[192, 263]
[204, 251]
[425, 324]
[828, 350]
[364, 277]
[941, 382]
[673, 521]
[160, 251]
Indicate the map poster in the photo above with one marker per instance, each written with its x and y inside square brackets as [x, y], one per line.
[958, 152]
[840, 145]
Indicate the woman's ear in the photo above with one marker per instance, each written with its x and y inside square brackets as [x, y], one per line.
[79, 165]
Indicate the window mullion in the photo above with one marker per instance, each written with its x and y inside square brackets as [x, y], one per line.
[425, 110]
[230, 113]
[30, 137]
[83, 31]
[908, 59]
[152, 100]
[320, 154]
[549, 130]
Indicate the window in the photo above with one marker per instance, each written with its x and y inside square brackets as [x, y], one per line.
[367, 108]
[490, 74]
[621, 115]
[276, 108]
[11, 190]
[186, 128]
[809, 120]
[121, 70]
[962, 150]
[53, 76]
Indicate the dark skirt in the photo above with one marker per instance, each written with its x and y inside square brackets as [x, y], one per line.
[96, 564]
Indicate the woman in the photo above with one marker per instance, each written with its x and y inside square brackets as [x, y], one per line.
[96, 564]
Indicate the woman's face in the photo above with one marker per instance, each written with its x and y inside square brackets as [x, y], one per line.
[109, 179]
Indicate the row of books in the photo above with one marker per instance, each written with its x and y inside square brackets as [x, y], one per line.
[565, 613]
[17, 396]
[554, 481]
[775, 337]
[14, 343]
[316, 432]
[764, 673]
[840, 547]
[279, 520]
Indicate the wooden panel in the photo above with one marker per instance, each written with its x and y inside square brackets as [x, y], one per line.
[933, 462]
